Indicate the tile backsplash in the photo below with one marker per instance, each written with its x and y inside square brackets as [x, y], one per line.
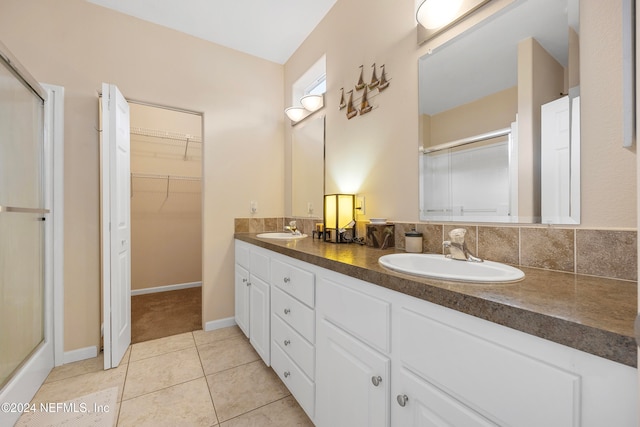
[604, 253]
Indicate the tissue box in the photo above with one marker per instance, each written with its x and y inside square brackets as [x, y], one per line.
[380, 236]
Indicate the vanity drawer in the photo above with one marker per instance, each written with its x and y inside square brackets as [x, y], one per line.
[242, 254]
[295, 281]
[260, 264]
[301, 387]
[294, 313]
[292, 343]
[366, 317]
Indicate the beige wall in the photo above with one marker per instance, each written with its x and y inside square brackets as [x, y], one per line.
[495, 111]
[166, 214]
[540, 80]
[78, 45]
[376, 154]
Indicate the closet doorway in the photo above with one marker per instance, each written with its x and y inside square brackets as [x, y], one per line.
[166, 221]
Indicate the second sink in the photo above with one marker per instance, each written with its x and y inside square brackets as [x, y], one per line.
[440, 267]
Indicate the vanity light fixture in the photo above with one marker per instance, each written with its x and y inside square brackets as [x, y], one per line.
[296, 113]
[310, 104]
[339, 214]
[438, 15]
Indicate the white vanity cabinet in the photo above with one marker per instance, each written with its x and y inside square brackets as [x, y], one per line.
[354, 368]
[356, 354]
[454, 369]
[384, 358]
[253, 296]
[293, 329]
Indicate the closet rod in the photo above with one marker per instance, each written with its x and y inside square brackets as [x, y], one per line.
[159, 176]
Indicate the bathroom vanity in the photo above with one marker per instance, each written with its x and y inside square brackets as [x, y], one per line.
[359, 345]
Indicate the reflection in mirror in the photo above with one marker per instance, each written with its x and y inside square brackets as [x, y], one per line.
[308, 168]
[484, 161]
[495, 78]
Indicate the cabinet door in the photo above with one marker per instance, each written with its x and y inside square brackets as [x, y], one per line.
[352, 381]
[417, 403]
[259, 318]
[242, 285]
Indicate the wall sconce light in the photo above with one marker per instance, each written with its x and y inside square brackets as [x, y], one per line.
[339, 214]
[310, 104]
[438, 15]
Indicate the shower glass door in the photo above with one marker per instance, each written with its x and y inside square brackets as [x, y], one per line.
[22, 308]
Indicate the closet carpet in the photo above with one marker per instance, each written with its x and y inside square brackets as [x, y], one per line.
[163, 314]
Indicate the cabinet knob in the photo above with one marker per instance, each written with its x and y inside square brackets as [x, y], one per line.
[286, 280]
[402, 399]
[287, 311]
[376, 380]
[244, 280]
[248, 283]
[287, 342]
[286, 374]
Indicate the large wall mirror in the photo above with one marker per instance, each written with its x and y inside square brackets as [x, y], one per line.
[307, 171]
[499, 118]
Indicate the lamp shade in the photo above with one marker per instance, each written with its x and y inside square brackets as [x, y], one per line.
[296, 113]
[437, 15]
[339, 211]
[434, 14]
[312, 102]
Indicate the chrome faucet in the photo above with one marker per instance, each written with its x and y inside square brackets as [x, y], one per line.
[292, 228]
[457, 247]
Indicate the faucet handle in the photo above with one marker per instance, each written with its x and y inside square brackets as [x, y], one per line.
[457, 235]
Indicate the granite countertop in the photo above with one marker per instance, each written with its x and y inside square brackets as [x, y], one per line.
[592, 314]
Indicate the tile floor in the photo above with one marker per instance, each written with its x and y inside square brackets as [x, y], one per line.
[191, 379]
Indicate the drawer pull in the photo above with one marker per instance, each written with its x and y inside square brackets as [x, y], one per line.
[402, 400]
[287, 311]
[287, 374]
[376, 380]
[287, 342]
[287, 280]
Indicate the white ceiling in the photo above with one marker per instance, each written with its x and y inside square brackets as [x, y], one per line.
[269, 29]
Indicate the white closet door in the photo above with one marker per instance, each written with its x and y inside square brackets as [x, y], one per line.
[116, 226]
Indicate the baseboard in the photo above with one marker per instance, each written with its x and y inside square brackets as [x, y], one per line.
[80, 354]
[166, 288]
[220, 323]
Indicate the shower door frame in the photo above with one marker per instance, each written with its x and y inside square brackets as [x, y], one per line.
[26, 380]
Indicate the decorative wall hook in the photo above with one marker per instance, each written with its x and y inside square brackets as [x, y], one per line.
[342, 103]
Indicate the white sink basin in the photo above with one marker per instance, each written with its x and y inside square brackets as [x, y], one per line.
[439, 267]
[281, 236]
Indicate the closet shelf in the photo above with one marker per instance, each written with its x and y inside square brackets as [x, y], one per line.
[174, 136]
[171, 139]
